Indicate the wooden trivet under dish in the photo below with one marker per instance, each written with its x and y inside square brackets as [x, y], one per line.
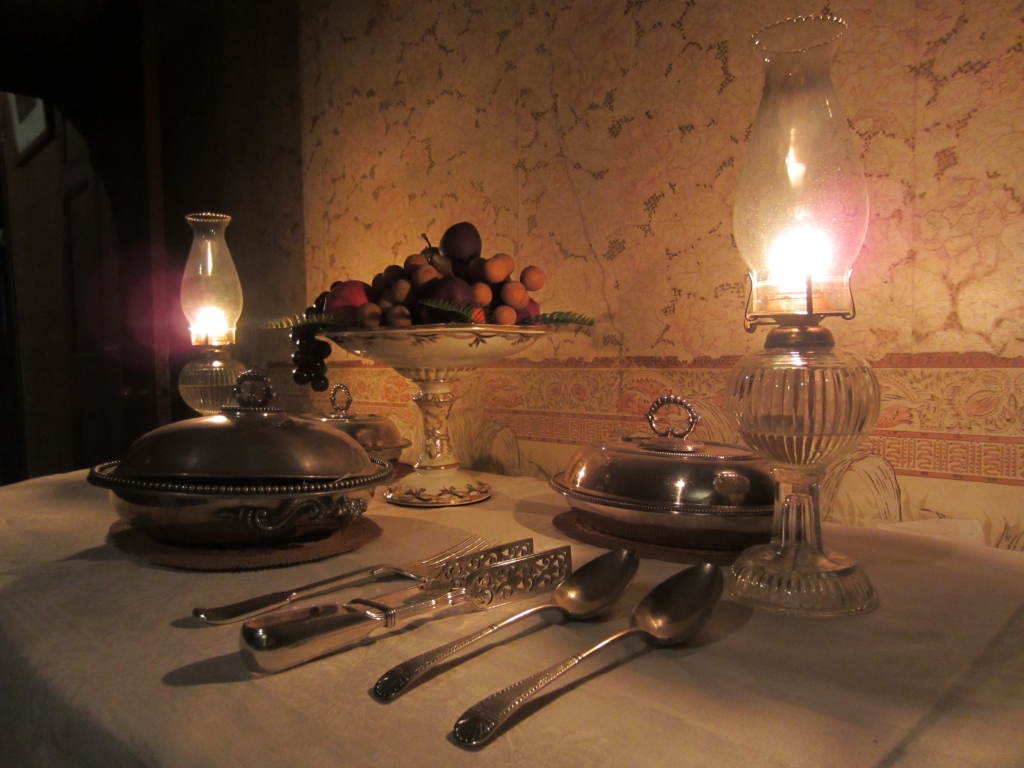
[242, 558]
[574, 525]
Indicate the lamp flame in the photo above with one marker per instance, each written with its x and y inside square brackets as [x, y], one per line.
[211, 327]
[794, 169]
[798, 253]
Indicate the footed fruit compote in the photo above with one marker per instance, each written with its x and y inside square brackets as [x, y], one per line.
[436, 356]
[434, 318]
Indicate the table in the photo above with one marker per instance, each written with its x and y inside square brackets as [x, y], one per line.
[102, 665]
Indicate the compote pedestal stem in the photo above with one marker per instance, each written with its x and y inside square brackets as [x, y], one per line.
[435, 402]
[437, 481]
[434, 357]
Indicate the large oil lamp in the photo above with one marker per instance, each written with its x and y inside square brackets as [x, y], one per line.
[799, 220]
[211, 298]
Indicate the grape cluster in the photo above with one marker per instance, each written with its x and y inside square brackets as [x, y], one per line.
[310, 352]
[310, 358]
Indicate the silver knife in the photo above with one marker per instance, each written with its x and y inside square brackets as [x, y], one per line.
[286, 639]
[454, 573]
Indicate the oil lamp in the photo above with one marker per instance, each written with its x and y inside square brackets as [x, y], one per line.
[799, 220]
[211, 298]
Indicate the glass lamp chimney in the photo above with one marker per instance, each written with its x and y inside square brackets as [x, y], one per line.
[801, 209]
[211, 294]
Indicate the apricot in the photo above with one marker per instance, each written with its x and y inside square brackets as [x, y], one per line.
[533, 278]
[402, 292]
[422, 275]
[482, 293]
[399, 317]
[498, 267]
[415, 260]
[514, 294]
[504, 315]
[369, 315]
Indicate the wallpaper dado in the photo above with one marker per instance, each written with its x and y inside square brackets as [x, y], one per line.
[603, 139]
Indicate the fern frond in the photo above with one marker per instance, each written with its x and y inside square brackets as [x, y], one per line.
[558, 318]
[468, 311]
[301, 318]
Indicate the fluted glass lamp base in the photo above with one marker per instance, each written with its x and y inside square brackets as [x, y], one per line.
[207, 383]
[802, 581]
[802, 404]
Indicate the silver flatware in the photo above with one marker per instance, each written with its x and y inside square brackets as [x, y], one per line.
[584, 594]
[670, 614]
[285, 639]
[458, 562]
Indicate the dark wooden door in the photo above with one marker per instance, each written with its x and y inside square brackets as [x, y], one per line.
[13, 459]
[67, 301]
[94, 306]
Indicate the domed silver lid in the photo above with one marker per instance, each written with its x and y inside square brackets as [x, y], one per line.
[669, 472]
[376, 433]
[249, 442]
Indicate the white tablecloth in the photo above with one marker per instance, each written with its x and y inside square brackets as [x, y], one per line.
[101, 664]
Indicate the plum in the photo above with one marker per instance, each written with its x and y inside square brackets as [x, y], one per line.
[461, 242]
[475, 270]
[451, 289]
[532, 309]
[377, 286]
[454, 290]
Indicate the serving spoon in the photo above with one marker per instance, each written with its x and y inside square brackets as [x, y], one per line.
[670, 614]
[584, 594]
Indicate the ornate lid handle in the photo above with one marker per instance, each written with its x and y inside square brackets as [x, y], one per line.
[253, 390]
[343, 409]
[661, 402]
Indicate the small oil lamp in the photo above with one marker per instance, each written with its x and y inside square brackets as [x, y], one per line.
[799, 220]
[211, 298]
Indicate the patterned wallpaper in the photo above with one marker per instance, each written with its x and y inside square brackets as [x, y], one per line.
[602, 140]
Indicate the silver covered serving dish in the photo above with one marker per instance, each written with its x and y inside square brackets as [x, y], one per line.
[377, 434]
[248, 474]
[667, 489]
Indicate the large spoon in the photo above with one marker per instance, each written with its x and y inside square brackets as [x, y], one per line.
[583, 595]
[670, 614]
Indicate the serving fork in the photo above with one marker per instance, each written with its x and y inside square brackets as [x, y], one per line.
[285, 639]
[418, 570]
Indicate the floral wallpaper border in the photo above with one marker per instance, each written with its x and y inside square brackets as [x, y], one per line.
[957, 422]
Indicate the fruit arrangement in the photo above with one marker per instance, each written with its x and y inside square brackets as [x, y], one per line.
[451, 283]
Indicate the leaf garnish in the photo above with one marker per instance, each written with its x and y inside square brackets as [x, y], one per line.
[557, 318]
[303, 319]
[470, 312]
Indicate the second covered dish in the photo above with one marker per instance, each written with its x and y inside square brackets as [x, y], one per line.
[669, 490]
